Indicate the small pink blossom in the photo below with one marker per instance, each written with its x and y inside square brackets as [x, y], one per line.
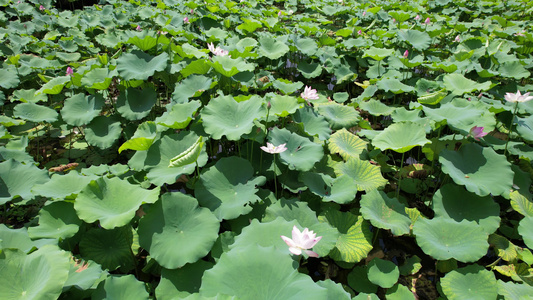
[192, 11]
[477, 133]
[364, 13]
[186, 20]
[138, 28]
[309, 93]
[302, 241]
[359, 32]
[457, 39]
[427, 21]
[393, 20]
[406, 54]
[41, 7]
[274, 149]
[279, 13]
[69, 71]
[417, 17]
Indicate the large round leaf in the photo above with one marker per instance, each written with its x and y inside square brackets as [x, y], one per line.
[228, 66]
[109, 248]
[267, 234]
[271, 48]
[394, 85]
[418, 39]
[103, 131]
[62, 186]
[366, 176]
[313, 124]
[514, 291]
[227, 188]
[309, 70]
[462, 115]
[192, 86]
[225, 116]
[112, 201]
[301, 153]
[358, 280]
[179, 115]
[474, 167]
[142, 139]
[453, 201]
[376, 108]
[57, 220]
[401, 137]
[34, 112]
[444, 238]
[54, 86]
[135, 104]
[378, 53]
[525, 127]
[458, 84]
[181, 282]
[175, 231]
[120, 288]
[17, 179]
[255, 272]
[525, 228]
[340, 190]
[346, 144]
[139, 65]
[470, 282]
[81, 109]
[383, 272]
[282, 105]
[39, 275]
[338, 115]
[15, 239]
[385, 212]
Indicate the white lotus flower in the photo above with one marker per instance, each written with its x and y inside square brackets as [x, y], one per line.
[309, 93]
[511, 97]
[217, 51]
[274, 149]
[302, 241]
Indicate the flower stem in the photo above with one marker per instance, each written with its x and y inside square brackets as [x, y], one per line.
[275, 181]
[510, 128]
[400, 178]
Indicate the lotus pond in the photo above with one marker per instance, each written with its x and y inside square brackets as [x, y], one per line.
[301, 149]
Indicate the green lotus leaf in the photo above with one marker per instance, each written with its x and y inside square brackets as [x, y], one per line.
[309, 70]
[54, 86]
[83, 274]
[297, 210]
[120, 288]
[175, 231]
[57, 220]
[139, 65]
[142, 139]
[411, 266]
[135, 104]
[267, 234]
[145, 40]
[418, 39]
[355, 241]
[401, 137]
[190, 51]
[365, 296]
[249, 25]
[378, 53]
[39, 275]
[8, 122]
[514, 291]
[525, 228]
[255, 272]
[358, 280]
[458, 284]
[524, 127]
[199, 67]
[225, 116]
[283, 105]
[192, 86]
[17, 179]
[35, 113]
[98, 78]
[104, 200]
[340, 190]
[228, 66]
[453, 201]
[9, 78]
[366, 176]
[28, 96]
[444, 238]
[109, 248]
[189, 156]
[462, 115]
[157, 158]
[271, 47]
[81, 109]
[473, 166]
[68, 57]
[103, 131]
[313, 124]
[384, 212]
[181, 282]
[458, 84]
[301, 153]
[338, 115]
[346, 144]
[16, 239]
[287, 87]
[376, 108]
[432, 98]
[521, 204]
[394, 85]
[399, 292]
[335, 290]
[307, 46]
[227, 188]
[513, 69]
[383, 272]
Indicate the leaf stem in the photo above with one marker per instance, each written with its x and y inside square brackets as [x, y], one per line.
[510, 128]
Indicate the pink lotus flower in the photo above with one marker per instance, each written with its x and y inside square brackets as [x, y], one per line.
[301, 241]
[41, 7]
[309, 93]
[359, 32]
[406, 54]
[510, 97]
[364, 13]
[186, 20]
[274, 149]
[192, 11]
[417, 17]
[69, 71]
[138, 28]
[457, 39]
[477, 133]
[217, 51]
[279, 13]
[427, 21]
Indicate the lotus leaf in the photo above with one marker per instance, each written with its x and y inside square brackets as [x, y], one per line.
[376, 108]
[39, 275]
[144, 40]
[255, 272]
[228, 66]
[16, 239]
[135, 104]
[309, 70]
[521, 204]
[444, 238]
[346, 144]
[81, 109]
[34, 112]
[462, 115]
[98, 78]
[313, 124]
[335, 290]
[191, 86]
[401, 137]
[271, 48]
[378, 53]
[384, 212]
[525, 228]
[225, 116]
[54, 86]
[394, 85]
[383, 272]
[458, 84]
[57, 220]
[514, 291]
[473, 166]
[183, 281]
[227, 188]
[399, 292]
[104, 200]
[83, 275]
[110, 248]
[103, 131]
[287, 87]
[142, 139]
[525, 127]
[17, 179]
[458, 284]
[513, 69]
[283, 105]
[338, 115]
[266, 234]
[340, 190]
[358, 280]
[301, 153]
[418, 39]
[175, 231]
[140, 65]
[120, 288]
[366, 176]
[9, 78]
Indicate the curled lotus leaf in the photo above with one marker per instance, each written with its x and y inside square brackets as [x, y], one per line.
[189, 156]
